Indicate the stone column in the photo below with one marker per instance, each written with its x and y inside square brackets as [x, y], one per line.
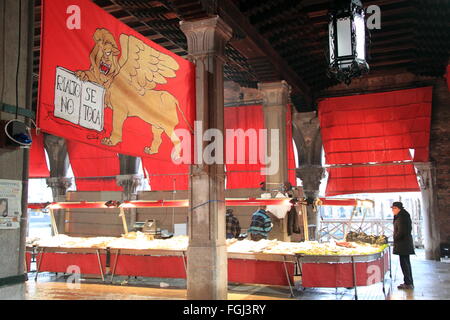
[311, 176]
[425, 175]
[16, 64]
[59, 164]
[275, 99]
[306, 133]
[207, 274]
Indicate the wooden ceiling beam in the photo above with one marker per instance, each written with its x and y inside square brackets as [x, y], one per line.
[255, 42]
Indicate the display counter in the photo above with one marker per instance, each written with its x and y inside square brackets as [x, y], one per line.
[331, 271]
[252, 268]
[267, 262]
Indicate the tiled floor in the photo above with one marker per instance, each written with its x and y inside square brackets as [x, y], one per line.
[432, 282]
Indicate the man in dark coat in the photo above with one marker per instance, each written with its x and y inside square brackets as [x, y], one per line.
[403, 242]
[233, 228]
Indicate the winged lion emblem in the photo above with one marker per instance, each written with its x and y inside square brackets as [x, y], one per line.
[130, 81]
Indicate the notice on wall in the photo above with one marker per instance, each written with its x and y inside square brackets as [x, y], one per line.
[10, 203]
[79, 102]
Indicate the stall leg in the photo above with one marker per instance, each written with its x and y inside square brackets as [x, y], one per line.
[184, 263]
[354, 278]
[390, 265]
[287, 276]
[383, 274]
[115, 264]
[100, 265]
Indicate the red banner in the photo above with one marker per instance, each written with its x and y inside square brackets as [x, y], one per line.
[104, 84]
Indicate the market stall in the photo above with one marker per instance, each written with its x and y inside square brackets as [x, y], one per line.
[270, 262]
[362, 260]
[344, 271]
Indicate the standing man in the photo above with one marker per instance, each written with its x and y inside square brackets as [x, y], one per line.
[403, 242]
[232, 225]
[260, 226]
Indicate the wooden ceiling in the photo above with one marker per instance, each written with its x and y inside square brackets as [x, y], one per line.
[288, 39]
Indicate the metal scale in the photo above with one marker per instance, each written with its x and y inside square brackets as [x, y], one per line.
[149, 227]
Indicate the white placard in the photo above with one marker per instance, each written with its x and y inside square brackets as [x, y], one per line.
[10, 204]
[91, 113]
[80, 102]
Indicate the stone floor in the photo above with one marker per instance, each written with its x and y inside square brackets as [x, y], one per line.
[432, 282]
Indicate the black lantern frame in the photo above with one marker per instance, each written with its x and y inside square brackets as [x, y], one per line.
[347, 41]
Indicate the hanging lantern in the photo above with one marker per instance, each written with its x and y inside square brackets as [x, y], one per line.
[347, 40]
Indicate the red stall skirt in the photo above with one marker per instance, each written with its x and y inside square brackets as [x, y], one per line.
[334, 275]
[60, 262]
[149, 266]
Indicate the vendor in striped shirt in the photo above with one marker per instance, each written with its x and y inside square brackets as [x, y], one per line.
[260, 226]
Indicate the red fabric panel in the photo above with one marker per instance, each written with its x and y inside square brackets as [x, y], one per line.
[375, 128]
[336, 275]
[371, 179]
[261, 272]
[89, 161]
[165, 175]
[131, 98]
[378, 127]
[247, 175]
[149, 266]
[38, 164]
[59, 262]
[290, 148]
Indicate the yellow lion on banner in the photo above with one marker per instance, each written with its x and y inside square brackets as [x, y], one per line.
[129, 83]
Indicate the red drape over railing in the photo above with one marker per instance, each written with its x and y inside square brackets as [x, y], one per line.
[248, 174]
[375, 128]
[89, 162]
[290, 148]
[165, 175]
[38, 164]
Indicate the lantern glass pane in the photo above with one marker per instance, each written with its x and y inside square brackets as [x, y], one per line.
[344, 37]
[331, 41]
[360, 37]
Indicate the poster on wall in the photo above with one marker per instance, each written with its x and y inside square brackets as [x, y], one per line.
[104, 84]
[10, 203]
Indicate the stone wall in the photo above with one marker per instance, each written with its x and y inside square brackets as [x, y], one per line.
[440, 154]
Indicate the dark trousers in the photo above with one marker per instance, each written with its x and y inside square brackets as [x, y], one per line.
[405, 264]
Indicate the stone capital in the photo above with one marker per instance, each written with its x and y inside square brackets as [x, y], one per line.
[424, 175]
[59, 186]
[311, 177]
[275, 93]
[206, 36]
[129, 183]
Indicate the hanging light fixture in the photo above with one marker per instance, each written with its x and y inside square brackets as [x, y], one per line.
[347, 40]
